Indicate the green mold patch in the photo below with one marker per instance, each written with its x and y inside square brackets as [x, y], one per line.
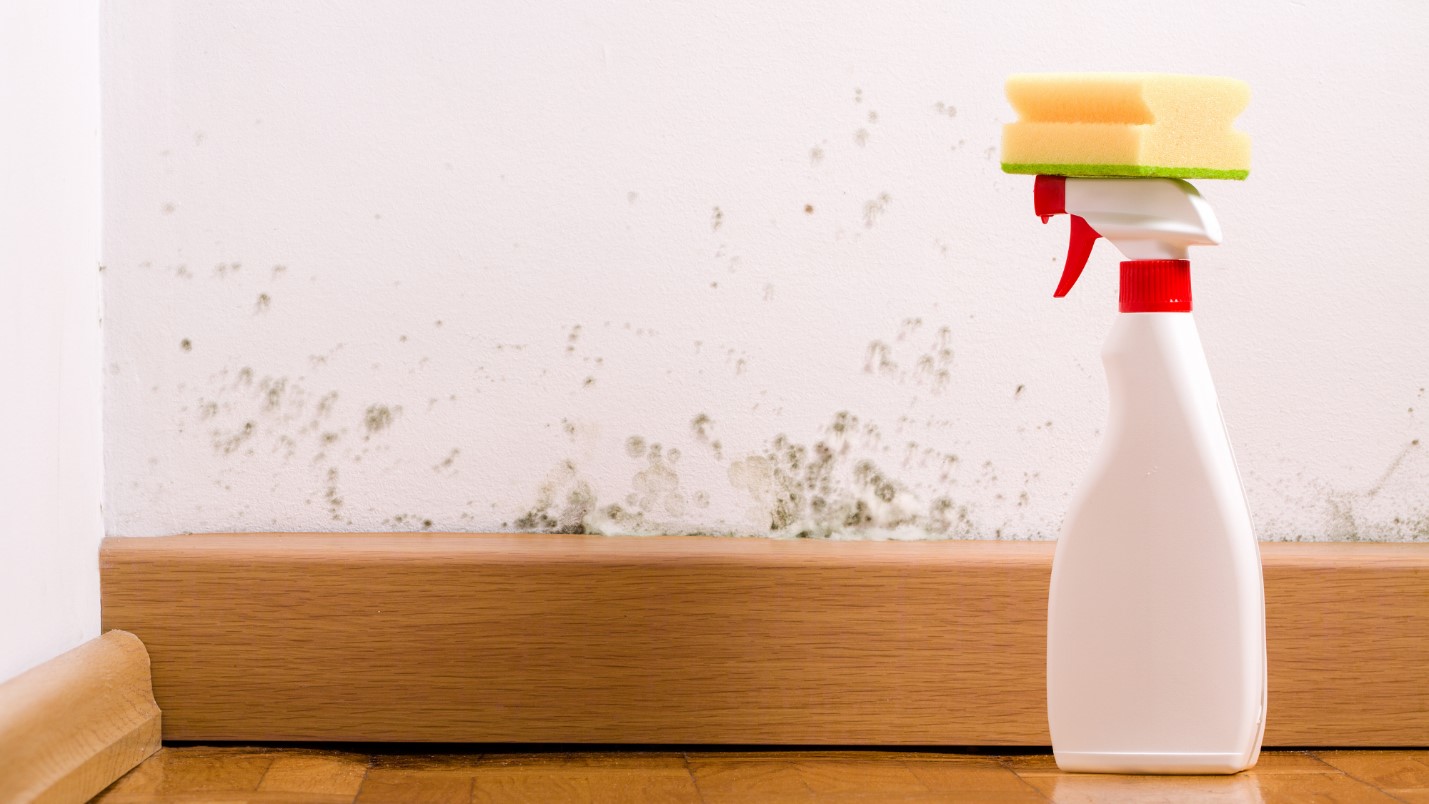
[1125, 171]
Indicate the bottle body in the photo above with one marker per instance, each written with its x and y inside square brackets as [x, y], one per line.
[1156, 612]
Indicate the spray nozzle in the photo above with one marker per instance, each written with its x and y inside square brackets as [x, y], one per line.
[1145, 218]
[1049, 197]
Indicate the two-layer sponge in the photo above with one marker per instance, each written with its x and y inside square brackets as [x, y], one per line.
[1126, 124]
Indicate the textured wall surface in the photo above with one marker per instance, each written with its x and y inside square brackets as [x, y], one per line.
[738, 267]
[50, 348]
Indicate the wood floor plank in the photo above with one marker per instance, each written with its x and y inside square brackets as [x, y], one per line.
[1387, 770]
[747, 781]
[407, 785]
[181, 772]
[1109, 789]
[541, 784]
[952, 778]
[313, 776]
[1289, 762]
[1326, 788]
[333, 774]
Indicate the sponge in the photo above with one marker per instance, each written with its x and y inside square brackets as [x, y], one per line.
[1126, 124]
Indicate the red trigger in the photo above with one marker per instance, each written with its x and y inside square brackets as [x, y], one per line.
[1078, 250]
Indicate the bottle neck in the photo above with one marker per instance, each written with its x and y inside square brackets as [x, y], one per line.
[1156, 286]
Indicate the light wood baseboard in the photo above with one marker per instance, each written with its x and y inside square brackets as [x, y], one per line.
[71, 726]
[536, 638]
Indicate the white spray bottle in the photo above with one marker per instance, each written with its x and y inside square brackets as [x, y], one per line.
[1156, 615]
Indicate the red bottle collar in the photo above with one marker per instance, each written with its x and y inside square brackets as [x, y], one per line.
[1156, 286]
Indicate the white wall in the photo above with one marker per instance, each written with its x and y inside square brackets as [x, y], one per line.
[390, 266]
[50, 457]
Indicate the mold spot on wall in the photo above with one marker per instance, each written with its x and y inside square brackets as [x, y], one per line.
[379, 417]
[186, 345]
[701, 425]
[563, 503]
[816, 155]
[1340, 524]
[879, 359]
[860, 137]
[834, 487]
[716, 219]
[273, 393]
[331, 496]
[945, 109]
[932, 364]
[808, 209]
[873, 209]
[656, 488]
[224, 269]
[229, 442]
[263, 303]
[635, 447]
[445, 465]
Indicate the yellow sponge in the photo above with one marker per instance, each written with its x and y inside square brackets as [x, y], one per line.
[1126, 124]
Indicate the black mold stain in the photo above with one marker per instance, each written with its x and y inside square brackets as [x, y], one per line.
[229, 443]
[186, 345]
[931, 368]
[379, 418]
[825, 488]
[656, 488]
[635, 447]
[446, 463]
[331, 496]
[701, 425]
[874, 209]
[563, 504]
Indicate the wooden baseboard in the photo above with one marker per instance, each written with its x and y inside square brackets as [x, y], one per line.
[535, 638]
[71, 726]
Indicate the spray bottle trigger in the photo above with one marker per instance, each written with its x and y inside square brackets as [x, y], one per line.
[1078, 250]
